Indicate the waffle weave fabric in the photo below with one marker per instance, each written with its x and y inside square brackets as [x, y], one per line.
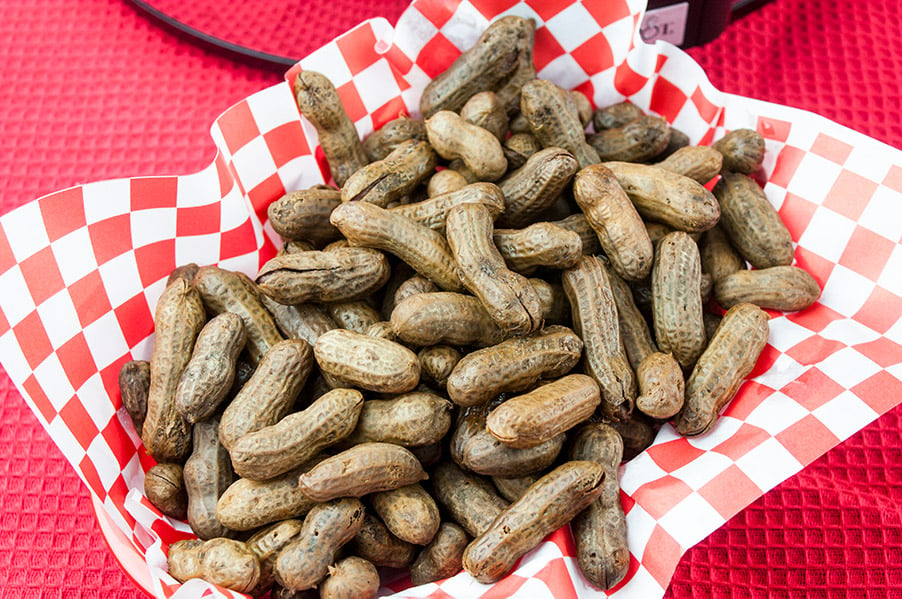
[92, 90]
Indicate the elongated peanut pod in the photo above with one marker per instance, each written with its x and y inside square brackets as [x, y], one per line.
[134, 383]
[639, 140]
[540, 244]
[304, 215]
[413, 419]
[453, 137]
[676, 298]
[444, 318]
[208, 473]
[785, 288]
[545, 107]
[223, 562]
[535, 185]
[634, 331]
[701, 163]
[367, 362]
[432, 212]
[471, 501]
[393, 177]
[441, 558]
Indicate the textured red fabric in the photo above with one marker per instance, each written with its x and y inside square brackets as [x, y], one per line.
[90, 90]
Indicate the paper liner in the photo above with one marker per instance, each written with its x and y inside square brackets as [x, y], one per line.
[81, 271]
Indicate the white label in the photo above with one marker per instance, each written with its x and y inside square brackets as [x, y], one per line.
[667, 23]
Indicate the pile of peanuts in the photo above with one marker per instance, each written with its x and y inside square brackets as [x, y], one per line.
[455, 349]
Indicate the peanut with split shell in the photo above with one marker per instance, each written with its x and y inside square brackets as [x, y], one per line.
[471, 501]
[304, 215]
[409, 512]
[441, 558]
[366, 362]
[178, 319]
[661, 386]
[721, 369]
[350, 578]
[546, 506]
[396, 175]
[208, 473]
[535, 185]
[164, 487]
[453, 137]
[634, 331]
[318, 100]
[365, 468]
[134, 382]
[223, 562]
[742, 150]
[786, 288]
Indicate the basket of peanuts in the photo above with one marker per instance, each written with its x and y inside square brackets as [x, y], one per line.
[491, 303]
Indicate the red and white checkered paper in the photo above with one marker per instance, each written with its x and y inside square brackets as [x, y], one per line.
[81, 271]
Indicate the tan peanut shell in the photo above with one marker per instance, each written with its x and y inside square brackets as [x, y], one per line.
[492, 61]
[486, 110]
[721, 369]
[437, 363]
[676, 298]
[209, 375]
[350, 578]
[484, 454]
[634, 331]
[223, 562]
[639, 140]
[412, 286]
[661, 386]
[512, 489]
[751, 222]
[595, 320]
[536, 417]
[393, 177]
[305, 561]
[453, 137]
[374, 543]
[413, 419]
[185, 272]
[298, 437]
[518, 148]
[248, 504]
[178, 318]
[742, 150]
[546, 506]
[579, 224]
[409, 512]
[355, 316]
[432, 212]
[367, 362]
[382, 142]
[509, 90]
[383, 330]
[134, 383]
[615, 220]
[270, 393]
[318, 100]
[164, 486]
[545, 107]
[208, 473]
[719, 257]
[616, 115]
[266, 545]
[445, 181]
[600, 529]
[701, 163]
[514, 365]
[663, 196]
[304, 215]
[423, 249]
[441, 558]
[471, 501]
[539, 244]
[786, 288]
[507, 296]
[363, 469]
[637, 433]
[343, 274]
[444, 318]
[534, 186]
[300, 321]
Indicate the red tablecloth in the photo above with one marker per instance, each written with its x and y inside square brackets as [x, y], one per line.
[90, 89]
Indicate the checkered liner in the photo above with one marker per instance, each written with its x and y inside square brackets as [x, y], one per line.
[81, 271]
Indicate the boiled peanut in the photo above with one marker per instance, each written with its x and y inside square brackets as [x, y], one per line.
[432, 212]
[437, 363]
[178, 319]
[208, 473]
[445, 181]
[363, 469]
[616, 115]
[441, 558]
[270, 393]
[742, 150]
[413, 419]
[533, 187]
[615, 220]
[533, 418]
[470, 500]
[663, 196]
[639, 140]
[355, 316]
[164, 487]
[305, 561]
[509, 91]
[701, 163]
[634, 332]
[343, 274]
[318, 100]
[595, 320]
[676, 298]
[186, 272]
[718, 256]
[751, 222]
[374, 543]
[300, 321]
[209, 375]
[425, 250]
[409, 512]
[509, 299]
[661, 386]
[223, 562]
[514, 365]
[382, 142]
[544, 105]
[248, 504]
[444, 318]
[134, 382]
[721, 369]
[453, 137]
[600, 529]
[518, 148]
[579, 224]
[367, 362]
[484, 454]
[486, 110]
[539, 244]
[267, 544]
[393, 177]
[546, 506]
[304, 215]
[350, 578]
[512, 489]
[298, 437]
[784, 288]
